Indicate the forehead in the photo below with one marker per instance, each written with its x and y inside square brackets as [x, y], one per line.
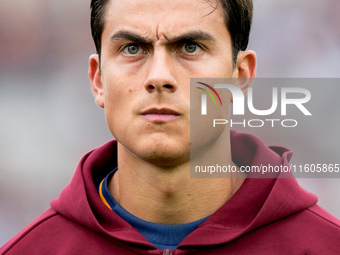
[156, 18]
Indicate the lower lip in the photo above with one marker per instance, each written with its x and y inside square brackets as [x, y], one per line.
[160, 118]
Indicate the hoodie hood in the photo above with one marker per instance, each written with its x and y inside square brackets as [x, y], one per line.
[258, 202]
[80, 202]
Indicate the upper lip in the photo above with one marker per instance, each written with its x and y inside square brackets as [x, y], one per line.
[166, 111]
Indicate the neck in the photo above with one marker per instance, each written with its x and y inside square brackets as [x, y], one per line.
[170, 196]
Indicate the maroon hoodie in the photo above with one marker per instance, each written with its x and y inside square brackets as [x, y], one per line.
[265, 216]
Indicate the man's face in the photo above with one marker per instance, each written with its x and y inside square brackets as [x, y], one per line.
[150, 50]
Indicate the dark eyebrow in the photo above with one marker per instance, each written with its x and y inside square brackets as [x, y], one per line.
[190, 36]
[126, 35]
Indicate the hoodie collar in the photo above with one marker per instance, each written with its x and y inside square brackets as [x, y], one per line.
[258, 201]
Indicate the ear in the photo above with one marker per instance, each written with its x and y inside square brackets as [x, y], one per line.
[96, 80]
[245, 69]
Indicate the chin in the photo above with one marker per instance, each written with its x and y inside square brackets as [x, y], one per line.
[165, 157]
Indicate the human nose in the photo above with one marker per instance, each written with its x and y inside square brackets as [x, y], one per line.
[160, 77]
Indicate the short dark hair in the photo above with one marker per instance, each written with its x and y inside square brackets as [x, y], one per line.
[237, 16]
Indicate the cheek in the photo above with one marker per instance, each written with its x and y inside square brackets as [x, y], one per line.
[120, 107]
[119, 86]
[115, 104]
[213, 67]
[112, 112]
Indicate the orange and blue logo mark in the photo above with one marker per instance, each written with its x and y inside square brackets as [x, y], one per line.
[204, 97]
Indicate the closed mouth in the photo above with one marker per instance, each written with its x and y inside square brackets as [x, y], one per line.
[160, 115]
